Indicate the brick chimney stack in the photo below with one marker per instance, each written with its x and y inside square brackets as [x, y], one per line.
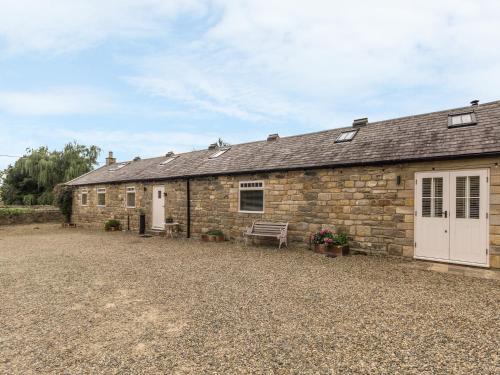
[110, 159]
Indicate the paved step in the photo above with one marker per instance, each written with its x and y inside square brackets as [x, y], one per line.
[156, 232]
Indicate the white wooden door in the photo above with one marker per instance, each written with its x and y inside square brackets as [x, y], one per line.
[468, 217]
[158, 207]
[432, 222]
[451, 218]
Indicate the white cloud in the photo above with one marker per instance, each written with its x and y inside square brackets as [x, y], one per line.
[56, 101]
[57, 26]
[309, 61]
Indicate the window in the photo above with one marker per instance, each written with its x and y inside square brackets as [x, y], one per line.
[219, 153]
[101, 197]
[346, 136]
[130, 197]
[168, 160]
[461, 119]
[85, 197]
[467, 196]
[251, 196]
[432, 197]
[115, 167]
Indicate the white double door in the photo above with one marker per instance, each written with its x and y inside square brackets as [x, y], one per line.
[451, 216]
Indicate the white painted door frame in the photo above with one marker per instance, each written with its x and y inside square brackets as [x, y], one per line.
[158, 207]
[444, 234]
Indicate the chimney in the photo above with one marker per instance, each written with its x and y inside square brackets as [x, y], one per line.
[110, 159]
[169, 154]
[358, 123]
[474, 103]
[273, 137]
[213, 146]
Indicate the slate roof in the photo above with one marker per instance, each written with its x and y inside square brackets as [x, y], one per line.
[420, 137]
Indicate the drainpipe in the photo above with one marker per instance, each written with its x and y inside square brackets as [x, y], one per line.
[188, 207]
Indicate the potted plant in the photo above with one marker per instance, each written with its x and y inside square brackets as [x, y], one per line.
[330, 242]
[340, 245]
[213, 235]
[112, 225]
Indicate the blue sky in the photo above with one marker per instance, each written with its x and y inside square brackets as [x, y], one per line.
[143, 77]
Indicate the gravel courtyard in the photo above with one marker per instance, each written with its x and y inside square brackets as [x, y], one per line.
[75, 301]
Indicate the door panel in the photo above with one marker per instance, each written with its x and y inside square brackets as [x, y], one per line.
[468, 221]
[158, 207]
[432, 223]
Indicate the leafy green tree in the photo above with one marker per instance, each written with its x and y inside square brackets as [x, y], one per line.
[31, 180]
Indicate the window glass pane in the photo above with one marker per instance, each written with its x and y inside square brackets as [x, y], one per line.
[466, 118]
[84, 199]
[426, 207]
[426, 187]
[474, 208]
[101, 199]
[461, 183]
[461, 208]
[474, 186]
[456, 120]
[130, 199]
[438, 207]
[252, 200]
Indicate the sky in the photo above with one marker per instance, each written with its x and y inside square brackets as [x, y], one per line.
[143, 77]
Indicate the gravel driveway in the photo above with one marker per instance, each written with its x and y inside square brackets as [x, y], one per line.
[75, 301]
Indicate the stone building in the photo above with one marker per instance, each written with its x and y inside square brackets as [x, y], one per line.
[424, 186]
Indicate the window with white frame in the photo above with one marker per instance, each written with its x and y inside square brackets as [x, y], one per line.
[461, 119]
[101, 197]
[346, 136]
[251, 196]
[219, 153]
[84, 197]
[130, 197]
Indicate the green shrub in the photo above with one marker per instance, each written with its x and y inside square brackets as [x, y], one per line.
[14, 211]
[112, 223]
[215, 232]
[64, 200]
[29, 200]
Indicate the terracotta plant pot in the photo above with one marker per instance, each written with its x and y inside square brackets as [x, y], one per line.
[204, 237]
[215, 238]
[321, 248]
[338, 250]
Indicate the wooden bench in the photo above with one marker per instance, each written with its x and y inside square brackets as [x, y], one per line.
[266, 229]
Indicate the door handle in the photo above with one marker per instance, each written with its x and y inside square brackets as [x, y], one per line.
[445, 214]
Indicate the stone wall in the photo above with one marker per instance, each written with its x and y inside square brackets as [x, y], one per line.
[365, 202]
[32, 215]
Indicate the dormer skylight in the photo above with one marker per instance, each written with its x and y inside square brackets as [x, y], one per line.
[168, 160]
[346, 136]
[116, 166]
[219, 152]
[461, 119]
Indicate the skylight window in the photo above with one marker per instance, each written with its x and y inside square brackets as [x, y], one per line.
[346, 136]
[461, 119]
[219, 153]
[115, 167]
[168, 160]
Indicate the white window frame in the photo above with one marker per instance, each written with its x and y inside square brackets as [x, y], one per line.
[261, 187]
[86, 192]
[101, 191]
[130, 190]
[462, 117]
[219, 152]
[346, 136]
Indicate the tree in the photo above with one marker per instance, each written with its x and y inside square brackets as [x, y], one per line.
[33, 177]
